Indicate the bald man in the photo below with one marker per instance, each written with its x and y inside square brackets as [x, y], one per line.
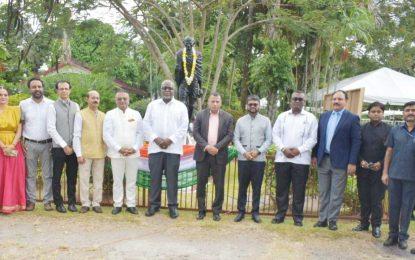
[90, 151]
[123, 134]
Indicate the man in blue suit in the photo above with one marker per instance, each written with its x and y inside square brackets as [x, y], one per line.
[335, 155]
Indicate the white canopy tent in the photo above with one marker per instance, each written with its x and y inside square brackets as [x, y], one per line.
[384, 85]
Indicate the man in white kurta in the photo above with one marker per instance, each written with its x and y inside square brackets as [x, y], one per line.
[123, 137]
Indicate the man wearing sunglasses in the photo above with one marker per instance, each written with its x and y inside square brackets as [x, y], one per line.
[165, 127]
[295, 134]
[252, 137]
[123, 135]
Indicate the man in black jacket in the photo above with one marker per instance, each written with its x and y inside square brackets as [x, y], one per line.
[213, 131]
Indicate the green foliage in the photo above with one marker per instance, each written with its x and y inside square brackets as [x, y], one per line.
[271, 72]
[4, 54]
[273, 69]
[82, 83]
[15, 99]
[141, 105]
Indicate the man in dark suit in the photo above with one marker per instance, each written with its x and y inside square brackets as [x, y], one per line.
[336, 154]
[213, 131]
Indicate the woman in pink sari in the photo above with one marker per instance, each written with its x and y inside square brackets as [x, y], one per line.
[12, 165]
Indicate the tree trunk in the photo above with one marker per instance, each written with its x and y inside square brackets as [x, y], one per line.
[247, 58]
[272, 108]
[230, 82]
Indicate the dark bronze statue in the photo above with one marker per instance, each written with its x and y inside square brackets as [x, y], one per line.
[188, 74]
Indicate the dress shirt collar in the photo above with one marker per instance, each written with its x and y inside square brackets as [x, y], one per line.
[172, 101]
[340, 112]
[375, 125]
[405, 127]
[67, 102]
[302, 112]
[34, 102]
[122, 112]
[252, 117]
[210, 112]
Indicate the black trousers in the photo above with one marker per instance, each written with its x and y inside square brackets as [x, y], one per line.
[205, 168]
[59, 160]
[371, 192]
[401, 203]
[250, 172]
[167, 164]
[297, 174]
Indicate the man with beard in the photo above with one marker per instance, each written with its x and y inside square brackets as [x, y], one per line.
[165, 126]
[252, 137]
[123, 128]
[336, 153]
[399, 175]
[90, 151]
[37, 143]
[60, 125]
[295, 134]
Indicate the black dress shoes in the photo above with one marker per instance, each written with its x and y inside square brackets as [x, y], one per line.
[413, 251]
[72, 208]
[239, 217]
[332, 225]
[30, 206]
[116, 210]
[390, 241]
[132, 210]
[97, 209]
[376, 232]
[151, 211]
[173, 213]
[321, 224]
[201, 215]
[298, 223]
[360, 227]
[84, 209]
[60, 208]
[402, 244]
[216, 217]
[256, 218]
[277, 220]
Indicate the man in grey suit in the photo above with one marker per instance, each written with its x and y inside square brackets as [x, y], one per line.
[213, 131]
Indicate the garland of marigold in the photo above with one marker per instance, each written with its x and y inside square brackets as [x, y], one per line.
[189, 79]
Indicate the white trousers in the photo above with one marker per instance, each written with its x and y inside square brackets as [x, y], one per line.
[124, 167]
[97, 167]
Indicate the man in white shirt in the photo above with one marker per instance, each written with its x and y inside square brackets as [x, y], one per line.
[294, 134]
[165, 126]
[37, 143]
[60, 120]
[90, 151]
[123, 128]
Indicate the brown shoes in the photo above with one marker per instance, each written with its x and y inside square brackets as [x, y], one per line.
[30, 206]
[84, 209]
[97, 209]
[48, 206]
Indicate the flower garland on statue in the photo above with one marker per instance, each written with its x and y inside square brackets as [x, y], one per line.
[189, 79]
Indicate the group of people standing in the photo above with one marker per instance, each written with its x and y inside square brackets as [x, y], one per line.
[57, 133]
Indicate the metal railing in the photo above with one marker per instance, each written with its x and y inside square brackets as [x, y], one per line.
[187, 196]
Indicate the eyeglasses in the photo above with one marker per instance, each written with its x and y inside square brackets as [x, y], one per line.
[299, 99]
[252, 104]
[167, 88]
[122, 99]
